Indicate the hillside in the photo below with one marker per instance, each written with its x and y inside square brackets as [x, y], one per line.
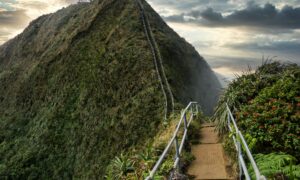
[266, 106]
[79, 86]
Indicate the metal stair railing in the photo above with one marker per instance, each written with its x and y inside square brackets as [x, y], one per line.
[193, 107]
[167, 92]
[239, 142]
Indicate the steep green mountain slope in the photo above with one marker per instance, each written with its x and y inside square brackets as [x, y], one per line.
[79, 86]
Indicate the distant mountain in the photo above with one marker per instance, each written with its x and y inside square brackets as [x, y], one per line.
[81, 85]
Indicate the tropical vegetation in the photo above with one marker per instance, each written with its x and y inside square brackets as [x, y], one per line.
[79, 87]
[139, 162]
[266, 105]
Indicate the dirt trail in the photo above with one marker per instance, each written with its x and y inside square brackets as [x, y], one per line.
[210, 162]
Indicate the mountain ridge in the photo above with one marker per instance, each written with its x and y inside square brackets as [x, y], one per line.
[75, 91]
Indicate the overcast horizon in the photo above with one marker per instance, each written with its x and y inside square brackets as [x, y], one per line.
[229, 34]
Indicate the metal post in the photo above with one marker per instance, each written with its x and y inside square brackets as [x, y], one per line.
[240, 142]
[192, 110]
[174, 140]
[263, 178]
[185, 125]
[228, 120]
[185, 122]
[177, 156]
[240, 165]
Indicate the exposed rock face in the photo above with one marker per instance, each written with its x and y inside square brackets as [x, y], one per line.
[79, 86]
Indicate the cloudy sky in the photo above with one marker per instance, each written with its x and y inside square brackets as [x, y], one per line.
[15, 15]
[229, 34]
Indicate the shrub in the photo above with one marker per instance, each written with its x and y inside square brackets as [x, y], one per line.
[266, 105]
[273, 116]
[120, 167]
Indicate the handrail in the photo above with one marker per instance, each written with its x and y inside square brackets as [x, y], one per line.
[157, 59]
[153, 52]
[174, 139]
[239, 141]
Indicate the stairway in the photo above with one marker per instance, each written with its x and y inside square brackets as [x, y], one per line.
[210, 162]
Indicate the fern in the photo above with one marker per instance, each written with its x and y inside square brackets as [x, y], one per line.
[274, 164]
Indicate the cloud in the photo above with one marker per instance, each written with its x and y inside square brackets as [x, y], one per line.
[174, 18]
[16, 14]
[32, 5]
[209, 15]
[7, 4]
[13, 19]
[253, 16]
[71, 1]
[285, 47]
[233, 64]
[11, 22]
[182, 6]
[266, 16]
[4, 36]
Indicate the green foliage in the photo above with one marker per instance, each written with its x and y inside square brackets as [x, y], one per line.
[266, 101]
[251, 141]
[120, 167]
[220, 116]
[266, 105]
[78, 87]
[193, 132]
[246, 87]
[276, 166]
[72, 111]
[143, 159]
[275, 110]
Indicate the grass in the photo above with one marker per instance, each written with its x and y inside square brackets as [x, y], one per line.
[138, 162]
